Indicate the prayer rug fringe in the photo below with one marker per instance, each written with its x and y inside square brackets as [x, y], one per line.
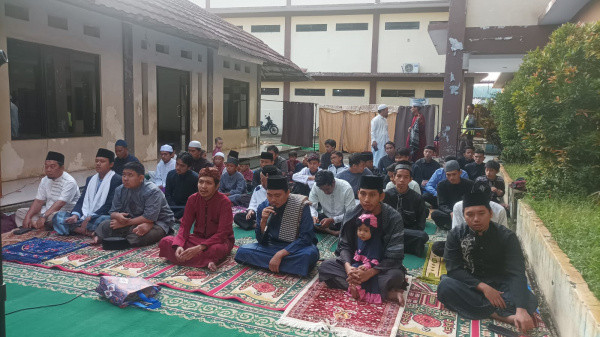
[433, 268]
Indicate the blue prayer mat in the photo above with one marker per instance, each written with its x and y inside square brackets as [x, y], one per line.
[37, 250]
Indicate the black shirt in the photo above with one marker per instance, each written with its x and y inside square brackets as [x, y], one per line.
[383, 164]
[423, 170]
[120, 163]
[449, 194]
[475, 170]
[462, 161]
[495, 255]
[325, 160]
[178, 188]
[200, 163]
[410, 205]
[497, 183]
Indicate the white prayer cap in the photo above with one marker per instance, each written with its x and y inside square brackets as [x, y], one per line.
[381, 107]
[219, 154]
[166, 148]
[195, 143]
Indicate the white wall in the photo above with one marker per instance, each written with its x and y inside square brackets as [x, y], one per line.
[486, 13]
[397, 47]
[332, 51]
[275, 40]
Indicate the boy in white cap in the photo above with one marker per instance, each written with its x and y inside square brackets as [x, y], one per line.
[199, 162]
[379, 133]
[165, 165]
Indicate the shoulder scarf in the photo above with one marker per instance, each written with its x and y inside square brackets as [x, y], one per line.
[290, 221]
[95, 199]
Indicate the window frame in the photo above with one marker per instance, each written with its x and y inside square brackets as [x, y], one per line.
[400, 93]
[398, 25]
[265, 91]
[348, 92]
[309, 92]
[42, 90]
[247, 124]
[351, 26]
[437, 91]
[265, 28]
[315, 27]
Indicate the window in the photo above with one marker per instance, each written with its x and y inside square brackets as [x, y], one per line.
[144, 44]
[269, 91]
[16, 12]
[397, 93]
[402, 25]
[351, 26]
[349, 92]
[309, 92]
[265, 28]
[434, 93]
[199, 58]
[237, 67]
[226, 64]
[247, 69]
[186, 54]
[57, 22]
[312, 28]
[162, 48]
[235, 104]
[54, 92]
[91, 31]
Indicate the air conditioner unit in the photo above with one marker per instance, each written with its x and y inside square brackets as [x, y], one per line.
[410, 68]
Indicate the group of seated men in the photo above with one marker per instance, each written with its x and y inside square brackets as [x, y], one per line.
[486, 276]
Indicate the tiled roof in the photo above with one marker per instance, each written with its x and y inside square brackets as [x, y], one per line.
[187, 20]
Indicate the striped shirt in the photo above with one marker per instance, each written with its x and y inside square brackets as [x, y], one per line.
[63, 188]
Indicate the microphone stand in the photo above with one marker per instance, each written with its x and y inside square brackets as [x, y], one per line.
[3, 59]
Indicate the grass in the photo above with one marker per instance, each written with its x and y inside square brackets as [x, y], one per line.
[574, 222]
[516, 170]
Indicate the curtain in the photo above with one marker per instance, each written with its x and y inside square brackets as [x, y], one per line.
[403, 123]
[298, 124]
[350, 126]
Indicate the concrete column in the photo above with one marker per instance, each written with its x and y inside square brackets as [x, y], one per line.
[210, 69]
[374, 59]
[453, 78]
[287, 52]
[129, 118]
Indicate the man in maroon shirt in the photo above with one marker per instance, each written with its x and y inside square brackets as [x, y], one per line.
[212, 239]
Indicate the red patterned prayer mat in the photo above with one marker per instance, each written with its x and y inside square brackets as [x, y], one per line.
[321, 308]
[424, 315]
[9, 238]
[255, 287]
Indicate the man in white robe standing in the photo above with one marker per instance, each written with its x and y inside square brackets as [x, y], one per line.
[379, 133]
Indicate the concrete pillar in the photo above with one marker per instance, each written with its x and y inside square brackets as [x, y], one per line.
[129, 118]
[453, 78]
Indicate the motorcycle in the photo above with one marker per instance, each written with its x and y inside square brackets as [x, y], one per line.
[270, 126]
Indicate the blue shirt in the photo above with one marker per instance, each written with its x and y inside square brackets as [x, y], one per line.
[438, 176]
[306, 233]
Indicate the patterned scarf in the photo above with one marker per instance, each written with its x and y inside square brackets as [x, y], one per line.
[290, 221]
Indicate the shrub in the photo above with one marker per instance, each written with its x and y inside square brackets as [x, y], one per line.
[556, 100]
[505, 117]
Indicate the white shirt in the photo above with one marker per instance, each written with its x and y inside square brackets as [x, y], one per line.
[302, 177]
[162, 169]
[337, 170]
[63, 188]
[413, 185]
[259, 195]
[334, 205]
[498, 214]
[379, 133]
